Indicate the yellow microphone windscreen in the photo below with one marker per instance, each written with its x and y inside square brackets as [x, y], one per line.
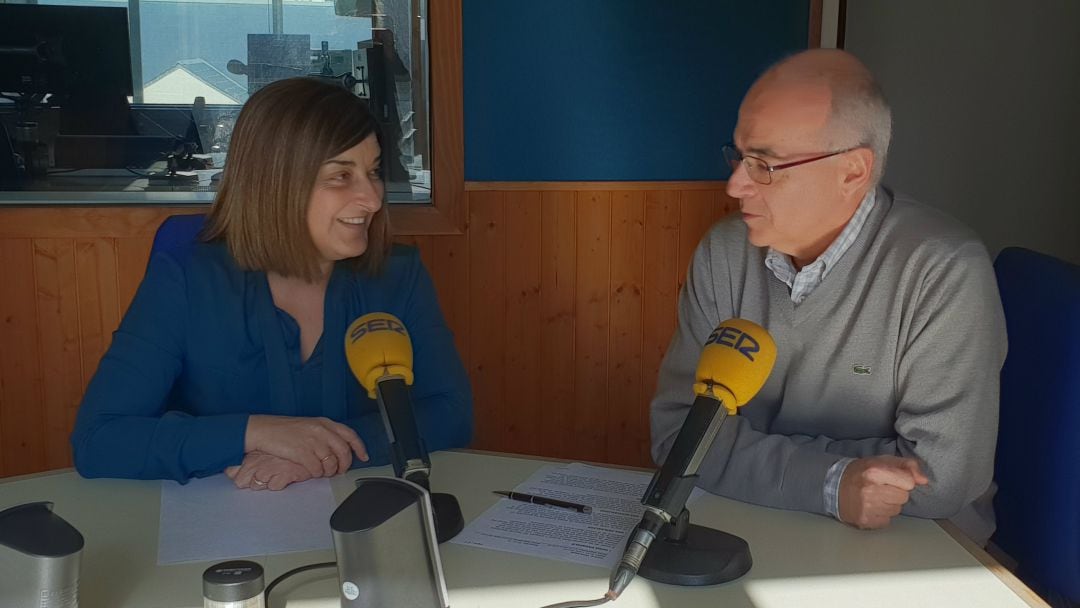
[377, 344]
[735, 363]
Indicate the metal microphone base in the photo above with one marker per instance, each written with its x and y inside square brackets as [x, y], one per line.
[691, 556]
[448, 518]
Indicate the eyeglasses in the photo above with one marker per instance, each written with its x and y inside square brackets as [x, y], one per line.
[761, 171]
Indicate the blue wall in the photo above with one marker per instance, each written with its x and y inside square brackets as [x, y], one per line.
[568, 90]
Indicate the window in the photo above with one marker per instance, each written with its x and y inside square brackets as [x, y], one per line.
[193, 63]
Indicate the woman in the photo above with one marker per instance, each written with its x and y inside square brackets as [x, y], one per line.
[231, 356]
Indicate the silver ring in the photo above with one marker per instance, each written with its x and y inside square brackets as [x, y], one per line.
[258, 482]
[325, 458]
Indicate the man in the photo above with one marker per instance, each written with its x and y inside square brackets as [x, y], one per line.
[885, 312]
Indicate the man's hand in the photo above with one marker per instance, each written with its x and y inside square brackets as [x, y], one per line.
[260, 471]
[873, 490]
[320, 445]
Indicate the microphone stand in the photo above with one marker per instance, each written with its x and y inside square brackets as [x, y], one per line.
[689, 555]
[410, 457]
[667, 548]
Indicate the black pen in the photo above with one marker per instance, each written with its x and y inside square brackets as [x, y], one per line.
[543, 500]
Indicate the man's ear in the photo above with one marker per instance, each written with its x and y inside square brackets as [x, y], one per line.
[858, 165]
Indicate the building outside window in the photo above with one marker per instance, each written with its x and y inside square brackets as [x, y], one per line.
[193, 65]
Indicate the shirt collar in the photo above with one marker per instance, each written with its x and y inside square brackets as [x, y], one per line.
[781, 264]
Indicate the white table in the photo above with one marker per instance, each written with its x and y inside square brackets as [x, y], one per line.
[800, 560]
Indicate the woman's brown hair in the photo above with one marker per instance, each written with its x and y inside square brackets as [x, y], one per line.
[284, 133]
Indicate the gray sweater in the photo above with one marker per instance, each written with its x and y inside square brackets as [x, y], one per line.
[897, 352]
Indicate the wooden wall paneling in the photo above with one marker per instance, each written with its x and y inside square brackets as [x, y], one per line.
[522, 407]
[628, 411]
[132, 255]
[450, 272]
[661, 277]
[423, 243]
[419, 242]
[562, 305]
[487, 315]
[558, 267]
[697, 212]
[116, 221]
[58, 334]
[588, 434]
[21, 386]
[99, 309]
[625, 186]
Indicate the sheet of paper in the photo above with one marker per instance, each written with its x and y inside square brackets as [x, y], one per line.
[595, 539]
[211, 519]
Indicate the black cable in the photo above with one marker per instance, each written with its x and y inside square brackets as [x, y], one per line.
[277, 580]
[581, 604]
[274, 583]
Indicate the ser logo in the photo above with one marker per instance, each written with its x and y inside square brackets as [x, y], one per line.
[731, 337]
[375, 325]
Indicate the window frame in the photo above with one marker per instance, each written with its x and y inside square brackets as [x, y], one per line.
[445, 214]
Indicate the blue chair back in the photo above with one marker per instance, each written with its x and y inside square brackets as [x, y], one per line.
[1038, 455]
[178, 234]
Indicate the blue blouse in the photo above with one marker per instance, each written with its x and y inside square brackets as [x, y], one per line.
[202, 347]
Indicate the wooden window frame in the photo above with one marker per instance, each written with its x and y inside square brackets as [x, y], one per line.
[446, 213]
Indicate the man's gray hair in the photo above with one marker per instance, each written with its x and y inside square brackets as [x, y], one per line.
[860, 116]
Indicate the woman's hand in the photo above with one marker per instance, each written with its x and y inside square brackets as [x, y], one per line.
[260, 471]
[323, 447]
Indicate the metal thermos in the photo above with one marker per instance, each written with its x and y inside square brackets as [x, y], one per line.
[39, 558]
[387, 554]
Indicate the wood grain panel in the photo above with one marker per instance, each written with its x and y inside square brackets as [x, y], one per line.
[590, 186]
[59, 341]
[562, 305]
[628, 411]
[661, 277]
[423, 243]
[487, 314]
[697, 212]
[132, 255]
[450, 272]
[87, 222]
[558, 268]
[96, 281]
[523, 409]
[587, 434]
[21, 388]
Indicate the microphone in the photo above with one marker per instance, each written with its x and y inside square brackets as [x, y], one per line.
[379, 352]
[737, 359]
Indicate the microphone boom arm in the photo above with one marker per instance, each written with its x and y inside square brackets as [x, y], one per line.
[673, 482]
[407, 450]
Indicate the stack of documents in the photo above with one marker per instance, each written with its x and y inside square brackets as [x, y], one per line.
[596, 539]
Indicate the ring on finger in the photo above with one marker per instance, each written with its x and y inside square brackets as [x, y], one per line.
[259, 482]
[325, 458]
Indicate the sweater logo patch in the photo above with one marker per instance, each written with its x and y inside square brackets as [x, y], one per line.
[862, 370]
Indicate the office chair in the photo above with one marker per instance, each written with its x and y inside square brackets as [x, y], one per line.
[178, 234]
[1038, 453]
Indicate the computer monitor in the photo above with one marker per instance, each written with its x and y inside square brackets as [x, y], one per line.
[71, 52]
